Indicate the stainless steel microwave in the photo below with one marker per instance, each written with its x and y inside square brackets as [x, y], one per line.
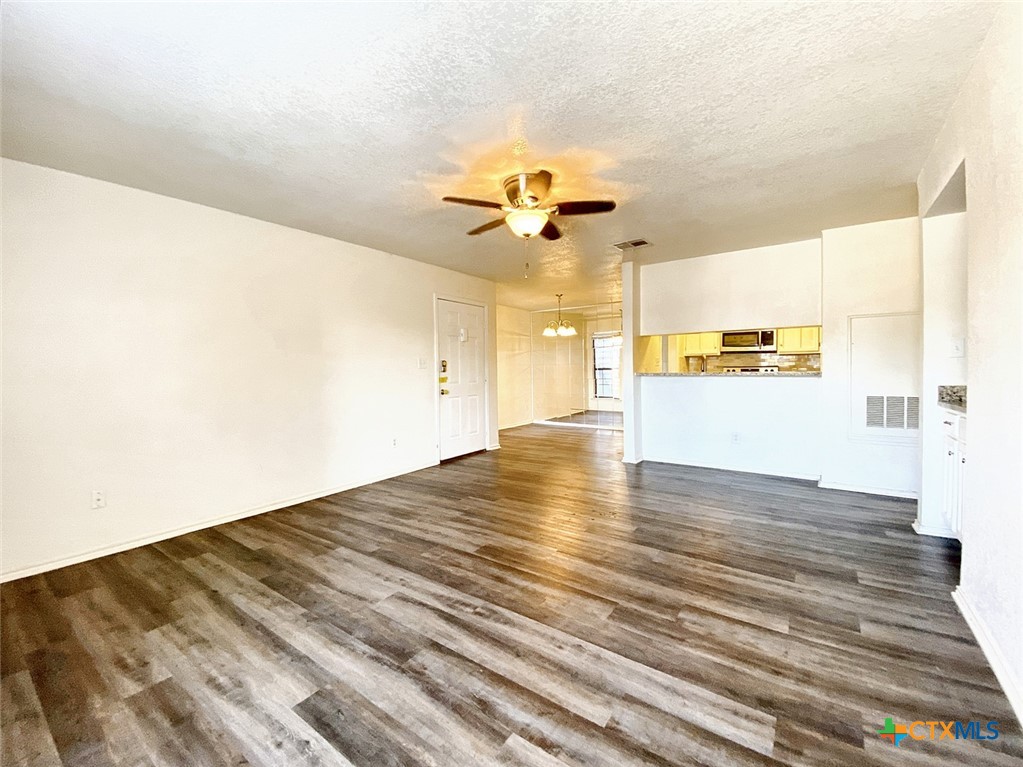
[748, 341]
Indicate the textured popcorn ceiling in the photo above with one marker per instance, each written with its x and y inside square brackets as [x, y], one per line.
[716, 126]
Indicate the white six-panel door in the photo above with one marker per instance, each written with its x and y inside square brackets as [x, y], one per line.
[461, 338]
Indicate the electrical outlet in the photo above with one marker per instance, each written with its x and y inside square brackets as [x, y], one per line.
[394, 442]
[735, 438]
[99, 499]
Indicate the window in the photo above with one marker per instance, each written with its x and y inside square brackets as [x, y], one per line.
[607, 363]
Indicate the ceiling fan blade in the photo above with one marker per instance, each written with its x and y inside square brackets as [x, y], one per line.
[582, 207]
[475, 203]
[487, 226]
[550, 231]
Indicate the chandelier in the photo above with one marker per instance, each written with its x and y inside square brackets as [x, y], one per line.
[560, 327]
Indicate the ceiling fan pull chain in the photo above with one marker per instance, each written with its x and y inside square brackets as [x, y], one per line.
[525, 250]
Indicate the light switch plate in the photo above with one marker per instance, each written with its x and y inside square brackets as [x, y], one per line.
[957, 348]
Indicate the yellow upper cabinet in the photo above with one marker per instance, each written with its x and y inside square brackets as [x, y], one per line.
[700, 344]
[648, 358]
[691, 345]
[812, 337]
[674, 359]
[805, 340]
[710, 343]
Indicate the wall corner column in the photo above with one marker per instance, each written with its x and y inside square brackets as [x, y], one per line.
[631, 390]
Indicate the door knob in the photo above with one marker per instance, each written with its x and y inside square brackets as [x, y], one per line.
[444, 391]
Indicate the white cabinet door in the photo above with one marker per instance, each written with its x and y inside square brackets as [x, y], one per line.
[957, 520]
[950, 481]
[953, 470]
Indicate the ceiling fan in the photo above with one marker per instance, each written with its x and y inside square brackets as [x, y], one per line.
[526, 216]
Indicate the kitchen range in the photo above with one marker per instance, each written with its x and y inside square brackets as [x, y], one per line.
[765, 369]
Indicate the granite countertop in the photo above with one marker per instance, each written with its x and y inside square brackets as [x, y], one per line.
[779, 374]
[952, 397]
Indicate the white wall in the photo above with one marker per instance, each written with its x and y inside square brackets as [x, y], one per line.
[944, 352]
[985, 128]
[870, 269]
[774, 286]
[762, 425]
[197, 365]
[514, 375]
[768, 426]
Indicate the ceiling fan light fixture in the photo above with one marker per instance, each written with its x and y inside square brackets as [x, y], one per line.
[526, 193]
[526, 222]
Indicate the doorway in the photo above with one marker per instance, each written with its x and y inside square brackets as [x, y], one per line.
[945, 362]
[462, 379]
[577, 379]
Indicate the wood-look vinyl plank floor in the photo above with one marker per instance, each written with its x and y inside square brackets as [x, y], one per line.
[505, 610]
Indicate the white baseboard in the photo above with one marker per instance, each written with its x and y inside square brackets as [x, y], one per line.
[869, 490]
[568, 425]
[1003, 671]
[115, 548]
[516, 425]
[740, 469]
[936, 532]
[494, 447]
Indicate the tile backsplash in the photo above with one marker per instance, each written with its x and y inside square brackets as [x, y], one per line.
[784, 362]
[952, 395]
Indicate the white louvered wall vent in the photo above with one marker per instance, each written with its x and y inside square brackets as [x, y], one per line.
[892, 412]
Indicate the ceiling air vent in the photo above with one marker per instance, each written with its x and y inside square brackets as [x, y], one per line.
[630, 245]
